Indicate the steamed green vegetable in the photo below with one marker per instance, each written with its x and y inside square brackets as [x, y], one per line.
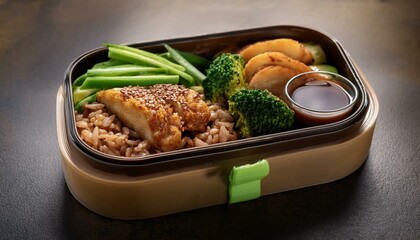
[147, 55]
[224, 77]
[258, 112]
[189, 68]
[80, 94]
[79, 81]
[197, 61]
[124, 70]
[109, 63]
[135, 58]
[105, 82]
[88, 99]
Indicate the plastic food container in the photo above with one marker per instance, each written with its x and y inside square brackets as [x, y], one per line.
[223, 173]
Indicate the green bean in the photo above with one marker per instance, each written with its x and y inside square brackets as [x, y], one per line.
[106, 82]
[147, 54]
[127, 70]
[135, 58]
[109, 63]
[80, 94]
[79, 81]
[88, 99]
[197, 61]
[165, 55]
[189, 68]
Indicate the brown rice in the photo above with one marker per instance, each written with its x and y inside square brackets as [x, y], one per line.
[103, 131]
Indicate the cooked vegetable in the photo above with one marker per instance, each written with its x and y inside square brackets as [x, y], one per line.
[102, 65]
[324, 67]
[273, 59]
[124, 70]
[317, 53]
[199, 62]
[273, 79]
[88, 99]
[79, 81]
[258, 112]
[189, 68]
[290, 47]
[80, 94]
[147, 55]
[105, 82]
[224, 77]
[135, 58]
[109, 63]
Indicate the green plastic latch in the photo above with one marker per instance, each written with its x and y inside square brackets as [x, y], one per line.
[245, 181]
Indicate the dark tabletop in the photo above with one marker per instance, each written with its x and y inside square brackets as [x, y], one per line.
[39, 39]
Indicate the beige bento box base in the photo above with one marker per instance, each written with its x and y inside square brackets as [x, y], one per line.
[139, 197]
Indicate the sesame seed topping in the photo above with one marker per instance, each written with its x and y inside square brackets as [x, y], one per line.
[160, 95]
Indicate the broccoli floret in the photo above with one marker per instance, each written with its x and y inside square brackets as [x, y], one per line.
[224, 77]
[258, 112]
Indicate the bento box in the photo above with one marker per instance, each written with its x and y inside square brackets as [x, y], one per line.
[225, 173]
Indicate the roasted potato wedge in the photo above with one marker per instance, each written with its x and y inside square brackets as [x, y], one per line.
[290, 47]
[272, 59]
[272, 78]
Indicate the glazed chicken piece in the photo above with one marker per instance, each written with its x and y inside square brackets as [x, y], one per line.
[159, 113]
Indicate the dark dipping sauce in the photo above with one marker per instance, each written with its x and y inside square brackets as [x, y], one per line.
[321, 95]
[319, 101]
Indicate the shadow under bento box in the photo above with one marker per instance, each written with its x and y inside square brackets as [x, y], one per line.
[192, 178]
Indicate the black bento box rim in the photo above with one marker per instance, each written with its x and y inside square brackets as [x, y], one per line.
[181, 154]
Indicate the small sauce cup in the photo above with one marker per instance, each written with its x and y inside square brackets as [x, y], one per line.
[320, 97]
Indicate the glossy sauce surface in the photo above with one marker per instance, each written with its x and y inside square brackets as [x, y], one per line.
[321, 95]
